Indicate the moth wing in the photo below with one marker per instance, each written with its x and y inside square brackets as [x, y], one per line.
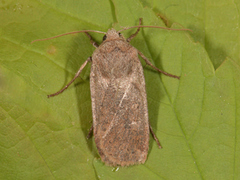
[120, 115]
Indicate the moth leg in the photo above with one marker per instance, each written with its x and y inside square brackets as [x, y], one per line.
[91, 40]
[138, 29]
[76, 75]
[90, 132]
[155, 137]
[150, 64]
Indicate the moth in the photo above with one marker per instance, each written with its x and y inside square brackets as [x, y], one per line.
[119, 102]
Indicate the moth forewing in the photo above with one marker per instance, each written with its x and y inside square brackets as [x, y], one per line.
[119, 103]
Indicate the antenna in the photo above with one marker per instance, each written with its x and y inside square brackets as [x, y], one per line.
[141, 26]
[74, 32]
[126, 28]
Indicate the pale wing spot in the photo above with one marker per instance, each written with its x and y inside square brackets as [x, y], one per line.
[133, 123]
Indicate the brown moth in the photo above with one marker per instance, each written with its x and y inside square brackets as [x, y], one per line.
[119, 102]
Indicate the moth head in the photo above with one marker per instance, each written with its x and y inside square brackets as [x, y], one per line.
[112, 34]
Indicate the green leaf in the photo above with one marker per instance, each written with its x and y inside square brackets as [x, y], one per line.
[195, 118]
[215, 24]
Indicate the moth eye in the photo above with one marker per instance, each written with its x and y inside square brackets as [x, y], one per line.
[119, 34]
[104, 37]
